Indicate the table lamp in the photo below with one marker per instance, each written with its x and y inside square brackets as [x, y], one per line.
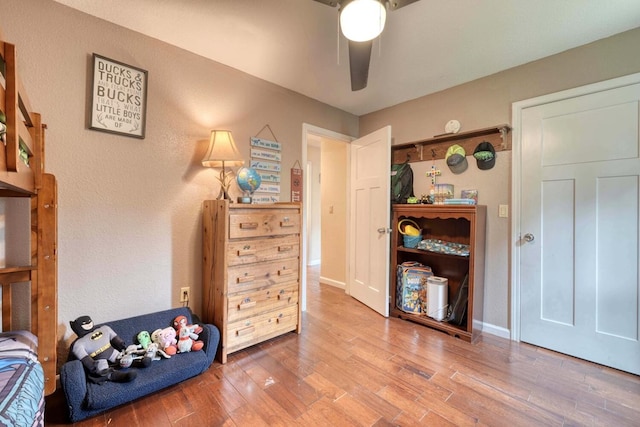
[222, 152]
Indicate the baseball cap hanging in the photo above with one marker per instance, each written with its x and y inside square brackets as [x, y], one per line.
[485, 155]
[456, 159]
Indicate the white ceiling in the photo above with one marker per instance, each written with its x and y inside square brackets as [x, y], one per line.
[426, 46]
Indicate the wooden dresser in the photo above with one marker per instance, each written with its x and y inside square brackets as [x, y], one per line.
[251, 271]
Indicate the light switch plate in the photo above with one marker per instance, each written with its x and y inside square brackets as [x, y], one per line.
[503, 211]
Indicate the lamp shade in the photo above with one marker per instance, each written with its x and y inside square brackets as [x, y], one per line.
[362, 20]
[222, 150]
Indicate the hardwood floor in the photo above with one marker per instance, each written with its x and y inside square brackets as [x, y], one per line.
[352, 367]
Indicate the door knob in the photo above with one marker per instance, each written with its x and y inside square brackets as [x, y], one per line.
[384, 230]
[529, 237]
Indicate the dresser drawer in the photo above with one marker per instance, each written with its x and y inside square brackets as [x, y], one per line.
[249, 304]
[258, 250]
[247, 332]
[268, 223]
[254, 276]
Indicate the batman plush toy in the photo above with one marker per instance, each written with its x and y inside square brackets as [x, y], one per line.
[99, 349]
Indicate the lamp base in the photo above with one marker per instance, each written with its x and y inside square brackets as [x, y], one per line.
[224, 195]
[225, 180]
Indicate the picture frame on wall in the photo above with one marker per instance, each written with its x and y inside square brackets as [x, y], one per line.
[119, 98]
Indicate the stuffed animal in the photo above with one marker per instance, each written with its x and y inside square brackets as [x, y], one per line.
[144, 339]
[151, 350]
[181, 321]
[154, 352]
[187, 335]
[135, 355]
[99, 349]
[166, 340]
[187, 341]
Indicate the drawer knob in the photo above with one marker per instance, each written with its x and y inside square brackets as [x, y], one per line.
[246, 278]
[246, 252]
[285, 272]
[285, 248]
[247, 303]
[283, 297]
[248, 225]
[283, 319]
[245, 331]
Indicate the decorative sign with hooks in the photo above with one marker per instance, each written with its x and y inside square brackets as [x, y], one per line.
[266, 156]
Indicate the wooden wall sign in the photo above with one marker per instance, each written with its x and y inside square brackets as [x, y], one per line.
[266, 156]
[119, 98]
[296, 182]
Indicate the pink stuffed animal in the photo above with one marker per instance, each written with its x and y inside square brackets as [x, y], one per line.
[166, 340]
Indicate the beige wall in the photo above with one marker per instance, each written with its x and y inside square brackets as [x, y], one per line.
[314, 216]
[334, 211]
[129, 209]
[487, 102]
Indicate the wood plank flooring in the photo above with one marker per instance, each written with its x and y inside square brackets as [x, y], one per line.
[352, 367]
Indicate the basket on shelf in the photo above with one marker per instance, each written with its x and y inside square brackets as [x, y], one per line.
[411, 232]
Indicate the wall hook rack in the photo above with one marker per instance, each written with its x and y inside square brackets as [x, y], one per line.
[498, 136]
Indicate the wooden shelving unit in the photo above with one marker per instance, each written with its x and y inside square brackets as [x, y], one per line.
[22, 174]
[451, 223]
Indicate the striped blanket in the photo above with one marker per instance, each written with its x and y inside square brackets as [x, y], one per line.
[21, 380]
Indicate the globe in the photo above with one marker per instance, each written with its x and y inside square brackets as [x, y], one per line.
[248, 180]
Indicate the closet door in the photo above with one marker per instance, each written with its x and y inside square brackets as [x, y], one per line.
[580, 226]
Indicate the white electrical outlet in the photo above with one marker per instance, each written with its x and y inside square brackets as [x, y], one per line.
[184, 294]
[503, 211]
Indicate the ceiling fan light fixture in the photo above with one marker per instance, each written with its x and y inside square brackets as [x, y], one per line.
[363, 20]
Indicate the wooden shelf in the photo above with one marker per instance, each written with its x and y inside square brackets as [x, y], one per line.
[17, 269]
[436, 147]
[451, 329]
[463, 224]
[425, 252]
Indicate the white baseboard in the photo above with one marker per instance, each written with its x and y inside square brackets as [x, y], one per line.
[332, 282]
[498, 331]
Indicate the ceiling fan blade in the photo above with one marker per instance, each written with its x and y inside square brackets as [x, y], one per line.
[397, 4]
[392, 4]
[332, 3]
[359, 57]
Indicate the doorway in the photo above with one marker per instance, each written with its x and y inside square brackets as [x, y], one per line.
[325, 156]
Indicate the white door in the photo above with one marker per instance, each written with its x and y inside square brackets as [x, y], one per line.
[369, 220]
[579, 224]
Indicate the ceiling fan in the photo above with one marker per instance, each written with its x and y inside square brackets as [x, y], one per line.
[351, 20]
